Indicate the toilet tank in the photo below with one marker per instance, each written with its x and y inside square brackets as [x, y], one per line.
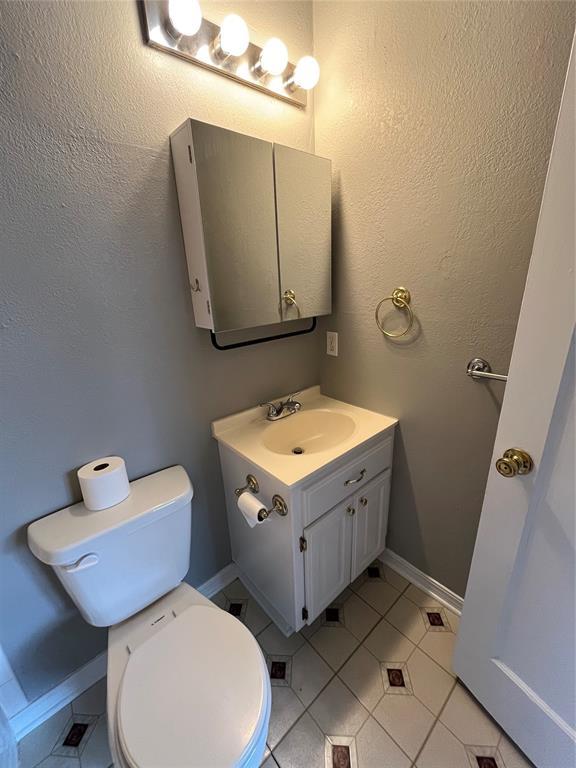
[116, 561]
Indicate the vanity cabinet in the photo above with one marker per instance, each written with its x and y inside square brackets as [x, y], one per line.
[343, 542]
[256, 222]
[336, 505]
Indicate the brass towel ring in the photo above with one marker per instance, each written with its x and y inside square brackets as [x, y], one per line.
[401, 299]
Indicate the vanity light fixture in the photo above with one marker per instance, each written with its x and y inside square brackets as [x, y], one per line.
[274, 57]
[178, 27]
[185, 16]
[306, 74]
[234, 37]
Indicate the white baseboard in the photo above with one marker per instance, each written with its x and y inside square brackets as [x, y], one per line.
[219, 580]
[36, 712]
[12, 697]
[423, 581]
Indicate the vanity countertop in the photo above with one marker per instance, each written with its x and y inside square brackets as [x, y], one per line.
[325, 428]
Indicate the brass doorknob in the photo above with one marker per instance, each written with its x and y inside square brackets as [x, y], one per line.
[514, 462]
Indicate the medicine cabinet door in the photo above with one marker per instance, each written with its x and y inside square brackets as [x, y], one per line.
[235, 177]
[303, 209]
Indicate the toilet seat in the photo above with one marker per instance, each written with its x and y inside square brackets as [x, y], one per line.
[196, 693]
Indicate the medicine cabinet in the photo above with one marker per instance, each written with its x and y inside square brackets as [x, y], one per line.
[256, 221]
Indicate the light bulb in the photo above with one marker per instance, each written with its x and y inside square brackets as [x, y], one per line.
[234, 36]
[185, 16]
[274, 57]
[307, 73]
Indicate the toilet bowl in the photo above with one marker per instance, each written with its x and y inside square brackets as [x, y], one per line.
[187, 682]
[159, 661]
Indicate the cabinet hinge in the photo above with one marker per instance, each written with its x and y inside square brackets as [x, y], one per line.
[304, 613]
[190, 155]
[303, 544]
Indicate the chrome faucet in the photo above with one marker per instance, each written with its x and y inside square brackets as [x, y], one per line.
[283, 408]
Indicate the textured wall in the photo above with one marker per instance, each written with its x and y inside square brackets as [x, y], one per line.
[439, 120]
[100, 354]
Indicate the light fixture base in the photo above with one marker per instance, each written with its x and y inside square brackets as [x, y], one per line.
[199, 49]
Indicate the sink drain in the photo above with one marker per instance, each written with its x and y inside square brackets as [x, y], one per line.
[298, 450]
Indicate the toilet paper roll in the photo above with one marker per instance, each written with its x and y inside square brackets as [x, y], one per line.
[104, 482]
[250, 506]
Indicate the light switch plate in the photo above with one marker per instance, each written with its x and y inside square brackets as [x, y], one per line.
[332, 343]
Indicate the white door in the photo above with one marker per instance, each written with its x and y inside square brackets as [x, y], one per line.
[327, 558]
[370, 520]
[516, 646]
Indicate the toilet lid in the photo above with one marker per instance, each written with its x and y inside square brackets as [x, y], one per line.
[194, 694]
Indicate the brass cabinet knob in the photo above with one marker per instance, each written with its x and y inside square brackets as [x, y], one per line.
[514, 462]
[351, 511]
[363, 501]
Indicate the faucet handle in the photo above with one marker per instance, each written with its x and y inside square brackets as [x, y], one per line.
[272, 409]
[291, 397]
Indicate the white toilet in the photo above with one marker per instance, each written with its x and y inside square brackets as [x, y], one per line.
[187, 682]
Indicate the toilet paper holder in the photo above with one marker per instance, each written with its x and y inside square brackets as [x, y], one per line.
[278, 503]
[251, 485]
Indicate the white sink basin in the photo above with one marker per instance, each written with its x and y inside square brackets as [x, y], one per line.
[308, 432]
[325, 429]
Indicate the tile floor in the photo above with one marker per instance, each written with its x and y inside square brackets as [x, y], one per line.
[368, 685]
[75, 737]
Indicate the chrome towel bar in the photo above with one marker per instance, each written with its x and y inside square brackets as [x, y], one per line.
[478, 368]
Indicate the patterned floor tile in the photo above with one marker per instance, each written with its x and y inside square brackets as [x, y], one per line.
[337, 711]
[393, 578]
[286, 709]
[430, 683]
[362, 673]
[387, 643]
[303, 746]
[443, 750]
[378, 594]
[75, 735]
[406, 719]
[468, 721]
[378, 571]
[269, 762]
[340, 751]
[235, 599]
[252, 615]
[274, 642]
[310, 674]
[376, 749]
[420, 598]
[359, 617]
[407, 618]
[334, 644]
[511, 755]
[96, 753]
[440, 646]
[58, 761]
[397, 667]
[38, 744]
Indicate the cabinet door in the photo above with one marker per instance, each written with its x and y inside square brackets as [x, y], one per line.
[327, 558]
[370, 522]
[235, 175]
[303, 208]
